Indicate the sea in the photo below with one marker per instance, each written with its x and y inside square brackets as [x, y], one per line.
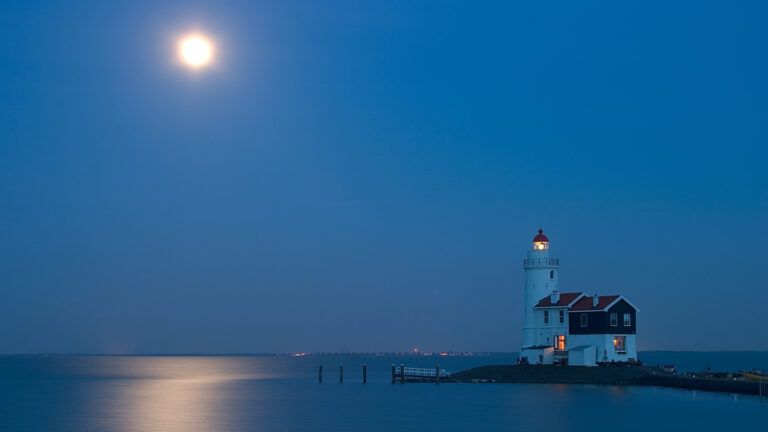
[61, 393]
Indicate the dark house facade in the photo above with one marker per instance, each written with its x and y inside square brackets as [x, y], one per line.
[620, 318]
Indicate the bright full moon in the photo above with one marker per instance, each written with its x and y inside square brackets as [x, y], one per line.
[195, 50]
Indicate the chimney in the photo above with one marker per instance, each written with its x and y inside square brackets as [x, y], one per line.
[554, 297]
[595, 300]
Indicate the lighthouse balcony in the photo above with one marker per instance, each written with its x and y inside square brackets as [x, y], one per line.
[541, 262]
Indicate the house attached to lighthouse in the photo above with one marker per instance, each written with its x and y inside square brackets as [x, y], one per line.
[571, 328]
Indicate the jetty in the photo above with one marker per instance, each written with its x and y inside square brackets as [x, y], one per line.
[403, 374]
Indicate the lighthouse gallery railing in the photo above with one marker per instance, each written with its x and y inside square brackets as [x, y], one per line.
[541, 262]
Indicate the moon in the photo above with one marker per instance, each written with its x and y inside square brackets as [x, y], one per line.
[195, 50]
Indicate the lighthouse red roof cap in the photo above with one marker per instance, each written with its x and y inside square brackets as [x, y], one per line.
[540, 237]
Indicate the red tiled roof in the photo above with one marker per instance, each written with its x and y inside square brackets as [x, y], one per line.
[586, 303]
[540, 237]
[565, 300]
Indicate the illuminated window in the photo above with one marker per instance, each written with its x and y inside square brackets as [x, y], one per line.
[583, 320]
[620, 344]
[562, 317]
[540, 245]
[546, 317]
[560, 342]
[627, 320]
[614, 320]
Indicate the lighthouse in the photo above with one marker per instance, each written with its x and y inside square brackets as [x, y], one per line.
[541, 280]
[572, 328]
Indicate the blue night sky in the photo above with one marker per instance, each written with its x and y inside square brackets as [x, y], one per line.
[368, 175]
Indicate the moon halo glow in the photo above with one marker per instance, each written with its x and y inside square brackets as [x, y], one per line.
[195, 50]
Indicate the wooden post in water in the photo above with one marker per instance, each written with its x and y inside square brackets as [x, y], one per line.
[320, 374]
[365, 373]
[341, 373]
[393, 373]
[437, 373]
[402, 373]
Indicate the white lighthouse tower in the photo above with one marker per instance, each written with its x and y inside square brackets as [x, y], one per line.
[541, 280]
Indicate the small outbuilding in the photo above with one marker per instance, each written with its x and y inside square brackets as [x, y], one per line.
[582, 355]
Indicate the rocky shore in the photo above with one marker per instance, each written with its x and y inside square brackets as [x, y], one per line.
[602, 375]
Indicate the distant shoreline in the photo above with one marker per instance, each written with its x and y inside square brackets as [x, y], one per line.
[339, 353]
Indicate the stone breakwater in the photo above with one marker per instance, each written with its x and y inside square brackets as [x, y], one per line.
[602, 375]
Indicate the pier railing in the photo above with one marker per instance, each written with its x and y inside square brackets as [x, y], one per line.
[404, 374]
[424, 372]
[541, 262]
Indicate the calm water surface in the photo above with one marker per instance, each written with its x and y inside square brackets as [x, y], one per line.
[265, 393]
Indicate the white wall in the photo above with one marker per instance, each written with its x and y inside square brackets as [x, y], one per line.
[584, 357]
[537, 286]
[545, 333]
[603, 344]
[547, 355]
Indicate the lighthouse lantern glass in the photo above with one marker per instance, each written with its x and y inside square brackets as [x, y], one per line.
[540, 245]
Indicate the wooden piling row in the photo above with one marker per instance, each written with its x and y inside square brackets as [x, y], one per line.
[341, 374]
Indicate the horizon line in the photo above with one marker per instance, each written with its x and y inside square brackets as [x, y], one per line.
[338, 353]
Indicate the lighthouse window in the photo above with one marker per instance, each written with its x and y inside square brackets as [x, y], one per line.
[562, 317]
[614, 320]
[627, 320]
[560, 342]
[583, 320]
[620, 344]
[546, 317]
[551, 274]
